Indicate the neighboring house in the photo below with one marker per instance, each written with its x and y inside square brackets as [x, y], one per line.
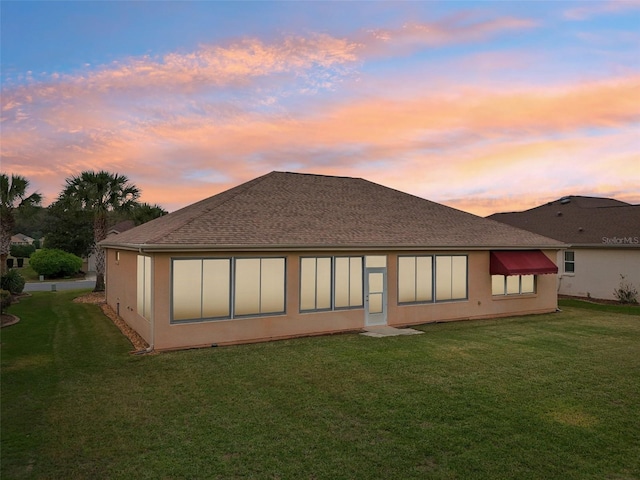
[21, 239]
[602, 237]
[290, 254]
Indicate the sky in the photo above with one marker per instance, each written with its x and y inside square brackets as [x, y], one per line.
[482, 106]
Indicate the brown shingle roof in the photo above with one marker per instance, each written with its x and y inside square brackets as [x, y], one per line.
[292, 210]
[578, 220]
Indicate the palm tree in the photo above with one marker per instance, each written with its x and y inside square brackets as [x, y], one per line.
[100, 193]
[13, 196]
[146, 212]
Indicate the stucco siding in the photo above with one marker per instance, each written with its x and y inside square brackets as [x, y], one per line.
[597, 271]
[122, 295]
[121, 290]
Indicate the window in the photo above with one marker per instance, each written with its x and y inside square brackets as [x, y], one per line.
[512, 284]
[420, 278]
[315, 283]
[259, 286]
[144, 286]
[203, 288]
[415, 279]
[569, 261]
[328, 283]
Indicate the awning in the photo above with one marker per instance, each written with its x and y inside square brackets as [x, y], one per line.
[516, 262]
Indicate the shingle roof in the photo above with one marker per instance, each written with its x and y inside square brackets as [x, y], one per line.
[293, 210]
[578, 220]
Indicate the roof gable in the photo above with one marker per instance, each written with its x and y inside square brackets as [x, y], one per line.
[303, 211]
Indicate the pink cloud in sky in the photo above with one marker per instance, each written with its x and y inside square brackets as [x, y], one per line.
[186, 126]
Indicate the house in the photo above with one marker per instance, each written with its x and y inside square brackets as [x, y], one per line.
[21, 239]
[290, 254]
[602, 237]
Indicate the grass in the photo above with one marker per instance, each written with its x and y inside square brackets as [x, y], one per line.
[551, 396]
[619, 308]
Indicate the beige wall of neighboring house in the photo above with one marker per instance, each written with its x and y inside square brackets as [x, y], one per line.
[597, 271]
[156, 326]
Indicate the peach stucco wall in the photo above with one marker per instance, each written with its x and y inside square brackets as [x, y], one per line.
[122, 295]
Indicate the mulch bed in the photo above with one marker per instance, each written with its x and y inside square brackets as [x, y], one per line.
[98, 298]
[8, 320]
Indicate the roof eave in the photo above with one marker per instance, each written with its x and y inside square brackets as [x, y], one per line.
[181, 248]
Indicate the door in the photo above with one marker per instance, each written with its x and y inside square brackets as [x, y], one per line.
[375, 296]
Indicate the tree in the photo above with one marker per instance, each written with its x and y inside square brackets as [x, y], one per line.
[100, 193]
[13, 197]
[69, 228]
[144, 212]
[32, 221]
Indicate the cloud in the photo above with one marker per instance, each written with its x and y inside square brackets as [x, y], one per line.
[188, 125]
[588, 10]
[210, 67]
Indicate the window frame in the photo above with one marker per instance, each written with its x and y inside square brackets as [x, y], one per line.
[231, 302]
[571, 262]
[333, 274]
[519, 293]
[434, 276]
[144, 293]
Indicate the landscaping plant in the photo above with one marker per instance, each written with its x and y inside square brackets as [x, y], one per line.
[5, 300]
[52, 262]
[22, 251]
[626, 292]
[13, 282]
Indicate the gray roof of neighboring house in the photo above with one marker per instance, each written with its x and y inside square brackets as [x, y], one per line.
[120, 227]
[292, 210]
[578, 220]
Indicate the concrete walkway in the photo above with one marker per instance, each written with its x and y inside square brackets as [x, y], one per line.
[88, 282]
[387, 331]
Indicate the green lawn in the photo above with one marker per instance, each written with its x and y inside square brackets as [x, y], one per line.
[552, 396]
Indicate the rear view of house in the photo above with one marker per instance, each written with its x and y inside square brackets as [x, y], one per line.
[290, 254]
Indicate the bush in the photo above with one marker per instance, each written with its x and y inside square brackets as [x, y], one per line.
[13, 282]
[52, 262]
[22, 251]
[626, 292]
[5, 300]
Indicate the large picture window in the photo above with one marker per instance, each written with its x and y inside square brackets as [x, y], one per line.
[144, 286]
[203, 288]
[512, 284]
[328, 283]
[426, 278]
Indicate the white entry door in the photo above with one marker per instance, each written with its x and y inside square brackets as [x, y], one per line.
[375, 296]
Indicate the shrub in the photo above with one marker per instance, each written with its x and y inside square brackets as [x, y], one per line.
[52, 262]
[13, 282]
[5, 300]
[626, 292]
[22, 251]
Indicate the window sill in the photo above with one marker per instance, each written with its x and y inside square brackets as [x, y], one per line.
[518, 296]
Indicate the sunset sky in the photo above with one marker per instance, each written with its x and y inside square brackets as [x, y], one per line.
[482, 106]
